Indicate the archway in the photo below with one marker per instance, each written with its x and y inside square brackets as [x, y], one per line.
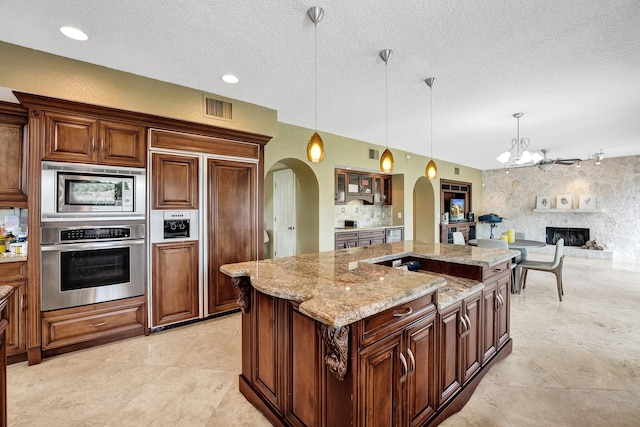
[424, 221]
[307, 205]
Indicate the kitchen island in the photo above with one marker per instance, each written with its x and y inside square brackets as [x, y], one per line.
[343, 338]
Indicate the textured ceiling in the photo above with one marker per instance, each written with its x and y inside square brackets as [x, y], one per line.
[572, 66]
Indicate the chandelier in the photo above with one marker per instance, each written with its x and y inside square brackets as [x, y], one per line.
[519, 150]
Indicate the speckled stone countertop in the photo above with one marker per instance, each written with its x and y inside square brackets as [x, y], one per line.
[9, 257]
[373, 227]
[332, 293]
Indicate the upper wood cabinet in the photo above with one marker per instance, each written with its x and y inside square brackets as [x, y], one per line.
[13, 152]
[174, 181]
[80, 139]
[354, 185]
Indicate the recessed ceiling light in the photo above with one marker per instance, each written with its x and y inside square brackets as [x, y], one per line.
[230, 78]
[74, 33]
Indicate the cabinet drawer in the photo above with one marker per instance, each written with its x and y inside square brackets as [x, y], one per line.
[347, 235]
[10, 271]
[385, 322]
[490, 272]
[81, 324]
[371, 234]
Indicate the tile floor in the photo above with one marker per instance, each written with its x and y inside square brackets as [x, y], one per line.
[574, 363]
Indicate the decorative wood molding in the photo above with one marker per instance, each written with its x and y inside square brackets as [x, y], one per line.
[337, 342]
[242, 285]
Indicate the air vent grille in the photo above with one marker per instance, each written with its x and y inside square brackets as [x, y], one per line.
[374, 154]
[217, 108]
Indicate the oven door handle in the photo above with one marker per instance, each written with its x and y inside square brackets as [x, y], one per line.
[66, 247]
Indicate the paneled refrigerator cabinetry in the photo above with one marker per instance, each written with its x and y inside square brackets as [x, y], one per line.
[204, 212]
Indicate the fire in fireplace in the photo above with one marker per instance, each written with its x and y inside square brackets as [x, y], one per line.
[572, 236]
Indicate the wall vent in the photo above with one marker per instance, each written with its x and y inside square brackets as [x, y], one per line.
[374, 154]
[217, 108]
[456, 171]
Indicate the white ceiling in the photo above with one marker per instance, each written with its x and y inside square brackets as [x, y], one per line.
[572, 66]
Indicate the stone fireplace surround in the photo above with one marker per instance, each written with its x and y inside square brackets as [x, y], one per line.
[615, 183]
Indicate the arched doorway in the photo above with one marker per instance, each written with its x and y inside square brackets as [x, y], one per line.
[424, 211]
[306, 206]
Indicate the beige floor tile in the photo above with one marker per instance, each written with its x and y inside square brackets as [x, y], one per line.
[574, 363]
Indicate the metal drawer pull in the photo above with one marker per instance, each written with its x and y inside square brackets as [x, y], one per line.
[95, 325]
[404, 367]
[413, 362]
[497, 270]
[407, 312]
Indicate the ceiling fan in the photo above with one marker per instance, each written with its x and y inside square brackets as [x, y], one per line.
[545, 164]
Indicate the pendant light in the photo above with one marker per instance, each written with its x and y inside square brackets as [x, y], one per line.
[431, 170]
[315, 147]
[386, 160]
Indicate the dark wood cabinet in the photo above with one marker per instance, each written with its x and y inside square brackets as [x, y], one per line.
[371, 237]
[496, 300]
[86, 139]
[14, 274]
[468, 230]
[174, 293]
[346, 239]
[4, 323]
[232, 226]
[472, 343]
[174, 182]
[450, 334]
[93, 324]
[13, 152]
[370, 188]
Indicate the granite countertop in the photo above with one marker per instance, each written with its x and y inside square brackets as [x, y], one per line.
[377, 227]
[9, 257]
[332, 293]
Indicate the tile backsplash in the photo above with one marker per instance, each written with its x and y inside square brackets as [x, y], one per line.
[366, 215]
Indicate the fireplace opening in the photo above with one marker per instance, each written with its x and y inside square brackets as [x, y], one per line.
[572, 236]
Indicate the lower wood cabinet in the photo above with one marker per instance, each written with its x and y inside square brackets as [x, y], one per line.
[15, 274]
[346, 239]
[94, 324]
[4, 323]
[410, 365]
[174, 282]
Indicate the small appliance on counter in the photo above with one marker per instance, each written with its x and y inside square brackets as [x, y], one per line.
[349, 223]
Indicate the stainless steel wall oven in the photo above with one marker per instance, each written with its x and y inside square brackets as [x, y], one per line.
[92, 262]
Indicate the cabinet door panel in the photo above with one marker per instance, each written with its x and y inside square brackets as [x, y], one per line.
[267, 375]
[175, 282]
[450, 343]
[13, 152]
[122, 144]
[380, 401]
[232, 226]
[16, 333]
[174, 182]
[472, 344]
[69, 138]
[502, 327]
[422, 398]
[489, 322]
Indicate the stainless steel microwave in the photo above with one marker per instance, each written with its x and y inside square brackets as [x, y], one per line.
[71, 190]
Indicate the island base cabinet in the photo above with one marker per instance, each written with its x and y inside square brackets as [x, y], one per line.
[407, 366]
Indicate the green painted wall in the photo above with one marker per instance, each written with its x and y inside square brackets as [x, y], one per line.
[36, 72]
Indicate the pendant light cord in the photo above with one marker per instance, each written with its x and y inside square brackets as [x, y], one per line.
[386, 103]
[315, 77]
[431, 117]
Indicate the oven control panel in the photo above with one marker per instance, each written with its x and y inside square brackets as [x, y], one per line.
[95, 234]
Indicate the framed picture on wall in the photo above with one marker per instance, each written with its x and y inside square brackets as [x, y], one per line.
[587, 201]
[564, 201]
[543, 202]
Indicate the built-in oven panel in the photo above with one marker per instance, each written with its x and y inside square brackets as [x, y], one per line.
[88, 264]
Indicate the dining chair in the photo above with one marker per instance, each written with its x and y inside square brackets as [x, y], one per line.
[501, 244]
[458, 238]
[554, 267]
